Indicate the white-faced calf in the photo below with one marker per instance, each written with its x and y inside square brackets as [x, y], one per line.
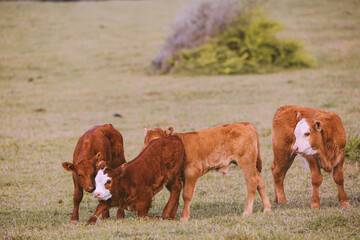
[316, 135]
[133, 185]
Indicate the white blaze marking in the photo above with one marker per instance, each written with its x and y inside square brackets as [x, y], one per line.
[100, 181]
[302, 141]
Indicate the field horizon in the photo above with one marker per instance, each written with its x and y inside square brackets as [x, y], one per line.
[68, 66]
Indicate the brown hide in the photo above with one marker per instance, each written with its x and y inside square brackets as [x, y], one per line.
[327, 137]
[134, 185]
[99, 143]
[215, 149]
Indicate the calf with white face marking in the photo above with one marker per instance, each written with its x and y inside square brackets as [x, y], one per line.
[133, 185]
[316, 135]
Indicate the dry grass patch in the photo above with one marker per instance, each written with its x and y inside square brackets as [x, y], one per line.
[83, 73]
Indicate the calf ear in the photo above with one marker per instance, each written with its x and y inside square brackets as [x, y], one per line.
[68, 166]
[299, 117]
[145, 131]
[98, 155]
[101, 165]
[169, 131]
[318, 125]
[97, 158]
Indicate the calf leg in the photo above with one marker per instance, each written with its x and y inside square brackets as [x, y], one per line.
[262, 192]
[316, 180]
[78, 196]
[188, 194]
[120, 213]
[173, 203]
[282, 162]
[100, 208]
[339, 180]
[252, 184]
[105, 214]
[142, 207]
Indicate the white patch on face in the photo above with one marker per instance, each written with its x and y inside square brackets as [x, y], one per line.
[302, 141]
[101, 193]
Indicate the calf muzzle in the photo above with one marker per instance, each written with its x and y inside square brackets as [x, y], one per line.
[295, 149]
[89, 189]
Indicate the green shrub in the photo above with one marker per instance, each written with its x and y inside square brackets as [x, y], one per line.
[352, 148]
[250, 45]
[198, 21]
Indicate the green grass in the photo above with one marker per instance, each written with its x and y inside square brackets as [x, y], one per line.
[83, 62]
[352, 149]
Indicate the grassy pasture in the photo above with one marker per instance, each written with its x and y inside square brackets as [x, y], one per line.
[65, 67]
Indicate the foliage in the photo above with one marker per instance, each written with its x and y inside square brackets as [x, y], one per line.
[244, 48]
[199, 21]
[352, 148]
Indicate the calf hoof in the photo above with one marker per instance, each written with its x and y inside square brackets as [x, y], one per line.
[267, 210]
[73, 222]
[92, 220]
[345, 204]
[184, 219]
[155, 218]
[246, 214]
[315, 205]
[120, 214]
[280, 201]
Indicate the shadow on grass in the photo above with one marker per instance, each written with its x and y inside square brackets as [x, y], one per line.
[305, 202]
[220, 208]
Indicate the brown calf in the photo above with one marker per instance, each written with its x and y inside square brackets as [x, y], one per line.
[216, 148]
[316, 135]
[133, 185]
[99, 143]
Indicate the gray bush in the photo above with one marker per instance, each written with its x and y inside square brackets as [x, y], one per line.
[196, 23]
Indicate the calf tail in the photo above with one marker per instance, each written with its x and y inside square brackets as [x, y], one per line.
[258, 161]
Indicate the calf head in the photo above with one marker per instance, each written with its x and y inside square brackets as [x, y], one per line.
[308, 136]
[103, 182]
[156, 133]
[85, 171]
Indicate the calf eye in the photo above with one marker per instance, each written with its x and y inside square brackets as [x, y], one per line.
[307, 134]
[108, 181]
[79, 175]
